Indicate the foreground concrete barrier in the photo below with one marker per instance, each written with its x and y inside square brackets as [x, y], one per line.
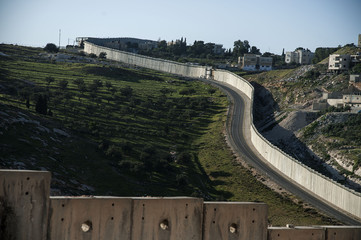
[88, 218]
[27, 212]
[167, 218]
[296, 233]
[342, 232]
[314, 182]
[24, 204]
[226, 220]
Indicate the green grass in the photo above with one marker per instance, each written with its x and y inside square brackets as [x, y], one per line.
[139, 132]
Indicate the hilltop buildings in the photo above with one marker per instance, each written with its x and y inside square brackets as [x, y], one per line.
[300, 56]
[253, 62]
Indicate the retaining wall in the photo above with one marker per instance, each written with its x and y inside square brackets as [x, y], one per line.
[329, 190]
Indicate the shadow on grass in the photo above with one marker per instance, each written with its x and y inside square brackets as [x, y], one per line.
[119, 74]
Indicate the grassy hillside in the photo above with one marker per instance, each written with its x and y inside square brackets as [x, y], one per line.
[124, 131]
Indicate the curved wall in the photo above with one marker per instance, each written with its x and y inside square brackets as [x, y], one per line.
[329, 190]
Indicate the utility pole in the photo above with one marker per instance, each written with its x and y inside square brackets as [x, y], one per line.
[59, 37]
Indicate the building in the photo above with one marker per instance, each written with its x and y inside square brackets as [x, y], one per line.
[300, 56]
[253, 62]
[350, 97]
[338, 62]
[355, 78]
[352, 100]
[218, 49]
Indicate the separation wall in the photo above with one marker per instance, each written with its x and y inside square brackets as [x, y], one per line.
[329, 190]
[148, 62]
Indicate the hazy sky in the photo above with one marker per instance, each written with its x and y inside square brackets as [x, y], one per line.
[271, 25]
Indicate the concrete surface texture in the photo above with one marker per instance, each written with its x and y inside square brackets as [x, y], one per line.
[226, 220]
[323, 187]
[296, 233]
[28, 212]
[89, 218]
[167, 218]
[24, 204]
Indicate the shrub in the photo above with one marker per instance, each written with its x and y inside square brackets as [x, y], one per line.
[51, 47]
[92, 55]
[113, 152]
[103, 55]
[184, 157]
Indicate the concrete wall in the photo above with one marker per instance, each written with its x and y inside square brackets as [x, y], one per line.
[296, 233]
[167, 218]
[314, 233]
[24, 204]
[147, 62]
[27, 212]
[227, 220]
[106, 217]
[323, 187]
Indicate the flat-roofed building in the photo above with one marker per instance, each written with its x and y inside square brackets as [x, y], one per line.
[300, 56]
[265, 63]
[253, 62]
[338, 62]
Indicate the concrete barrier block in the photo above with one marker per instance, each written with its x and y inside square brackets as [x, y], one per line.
[343, 232]
[297, 233]
[232, 220]
[24, 204]
[167, 218]
[89, 218]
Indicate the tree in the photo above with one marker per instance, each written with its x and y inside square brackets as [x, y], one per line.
[255, 50]
[78, 81]
[63, 84]
[126, 91]
[82, 44]
[240, 48]
[51, 47]
[103, 55]
[109, 85]
[49, 80]
[41, 104]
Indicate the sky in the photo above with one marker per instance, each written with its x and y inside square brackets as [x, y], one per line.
[270, 25]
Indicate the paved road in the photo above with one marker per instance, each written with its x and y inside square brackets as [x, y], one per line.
[238, 136]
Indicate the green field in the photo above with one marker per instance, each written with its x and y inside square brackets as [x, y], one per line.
[131, 132]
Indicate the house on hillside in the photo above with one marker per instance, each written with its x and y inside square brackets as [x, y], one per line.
[342, 62]
[253, 62]
[350, 97]
[300, 56]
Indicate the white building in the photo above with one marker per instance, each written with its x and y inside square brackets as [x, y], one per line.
[338, 62]
[300, 56]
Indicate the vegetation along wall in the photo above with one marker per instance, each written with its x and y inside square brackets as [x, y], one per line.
[329, 190]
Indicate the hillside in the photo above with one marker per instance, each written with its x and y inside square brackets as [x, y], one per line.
[283, 112]
[113, 129]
